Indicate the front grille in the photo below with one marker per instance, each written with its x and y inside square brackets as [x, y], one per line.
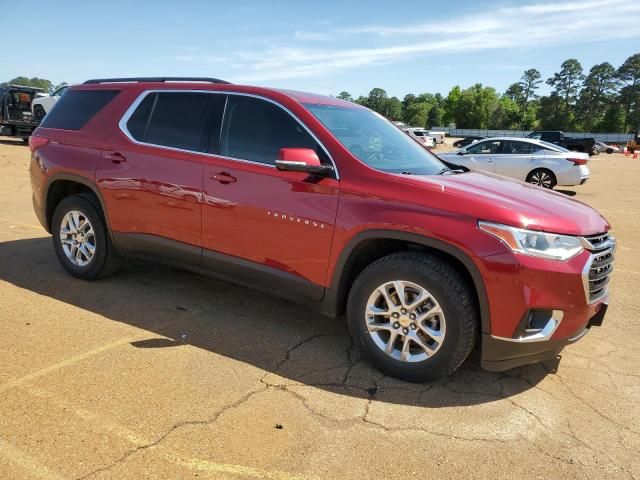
[598, 269]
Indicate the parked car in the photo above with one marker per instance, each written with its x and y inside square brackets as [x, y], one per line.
[16, 119]
[604, 148]
[43, 105]
[585, 145]
[421, 136]
[425, 262]
[528, 160]
[437, 136]
[466, 141]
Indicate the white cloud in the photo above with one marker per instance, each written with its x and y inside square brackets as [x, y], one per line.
[522, 27]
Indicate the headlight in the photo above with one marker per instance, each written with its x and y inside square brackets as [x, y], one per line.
[537, 244]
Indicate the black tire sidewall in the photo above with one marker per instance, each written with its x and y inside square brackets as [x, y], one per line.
[97, 263]
[443, 361]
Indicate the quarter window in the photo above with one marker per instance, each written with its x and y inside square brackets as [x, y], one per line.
[256, 130]
[513, 147]
[74, 109]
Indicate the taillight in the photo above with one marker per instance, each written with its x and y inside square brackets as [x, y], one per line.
[578, 161]
[37, 142]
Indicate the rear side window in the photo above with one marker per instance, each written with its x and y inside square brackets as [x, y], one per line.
[514, 147]
[256, 130]
[184, 120]
[76, 107]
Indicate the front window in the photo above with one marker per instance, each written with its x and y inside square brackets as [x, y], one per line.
[485, 148]
[376, 141]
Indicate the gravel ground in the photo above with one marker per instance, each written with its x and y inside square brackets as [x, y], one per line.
[160, 373]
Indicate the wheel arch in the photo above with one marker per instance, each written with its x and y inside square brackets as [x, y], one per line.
[368, 246]
[62, 185]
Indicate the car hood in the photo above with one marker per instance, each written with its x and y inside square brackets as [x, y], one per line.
[511, 202]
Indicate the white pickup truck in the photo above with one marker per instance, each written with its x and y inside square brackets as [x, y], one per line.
[421, 136]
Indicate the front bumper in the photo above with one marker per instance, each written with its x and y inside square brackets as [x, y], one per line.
[537, 307]
[502, 354]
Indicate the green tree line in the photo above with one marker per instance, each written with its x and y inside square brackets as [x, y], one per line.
[36, 82]
[606, 99]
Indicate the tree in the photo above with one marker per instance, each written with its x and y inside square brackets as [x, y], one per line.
[551, 113]
[629, 75]
[451, 105]
[31, 82]
[614, 119]
[529, 83]
[597, 91]
[345, 96]
[565, 86]
[475, 107]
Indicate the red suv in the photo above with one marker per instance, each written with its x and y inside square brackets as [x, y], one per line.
[326, 203]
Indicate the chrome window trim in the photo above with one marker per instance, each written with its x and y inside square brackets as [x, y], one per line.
[122, 124]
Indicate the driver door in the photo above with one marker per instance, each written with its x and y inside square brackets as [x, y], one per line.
[272, 227]
[483, 155]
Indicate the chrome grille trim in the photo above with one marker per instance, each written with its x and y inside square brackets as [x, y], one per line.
[597, 242]
[597, 271]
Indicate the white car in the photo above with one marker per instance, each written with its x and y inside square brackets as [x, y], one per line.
[604, 148]
[533, 161]
[422, 136]
[437, 136]
[43, 105]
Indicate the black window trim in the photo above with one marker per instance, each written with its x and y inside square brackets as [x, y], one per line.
[122, 124]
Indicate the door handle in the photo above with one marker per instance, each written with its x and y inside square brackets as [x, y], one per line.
[115, 157]
[223, 177]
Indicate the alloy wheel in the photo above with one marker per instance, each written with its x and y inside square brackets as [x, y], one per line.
[405, 321]
[542, 179]
[78, 238]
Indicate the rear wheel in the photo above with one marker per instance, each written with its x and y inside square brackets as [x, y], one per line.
[542, 177]
[413, 316]
[81, 240]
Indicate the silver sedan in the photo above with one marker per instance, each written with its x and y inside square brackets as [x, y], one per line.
[526, 159]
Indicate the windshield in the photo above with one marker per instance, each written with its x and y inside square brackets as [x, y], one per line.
[376, 141]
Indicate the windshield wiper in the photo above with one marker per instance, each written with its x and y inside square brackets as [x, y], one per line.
[445, 170]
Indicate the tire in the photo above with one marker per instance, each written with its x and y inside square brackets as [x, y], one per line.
[609, 150]
[25, 141]
[445, 288]
[39, 113]
[542, 177]
[104, 260]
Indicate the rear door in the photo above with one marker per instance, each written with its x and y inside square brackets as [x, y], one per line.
[268, 226]
[518, 158]
[150, 175]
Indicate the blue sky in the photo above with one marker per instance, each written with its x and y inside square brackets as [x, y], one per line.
[322, 46]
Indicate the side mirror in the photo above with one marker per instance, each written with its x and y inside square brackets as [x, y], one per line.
[462, 151]
[302, 160]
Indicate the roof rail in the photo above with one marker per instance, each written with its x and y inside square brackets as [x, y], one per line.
[154, 79]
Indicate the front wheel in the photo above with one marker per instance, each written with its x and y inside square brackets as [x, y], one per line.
[81, 240]
[542, 177]
[413, 315]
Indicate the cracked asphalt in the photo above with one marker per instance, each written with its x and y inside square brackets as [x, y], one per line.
[160, 373]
